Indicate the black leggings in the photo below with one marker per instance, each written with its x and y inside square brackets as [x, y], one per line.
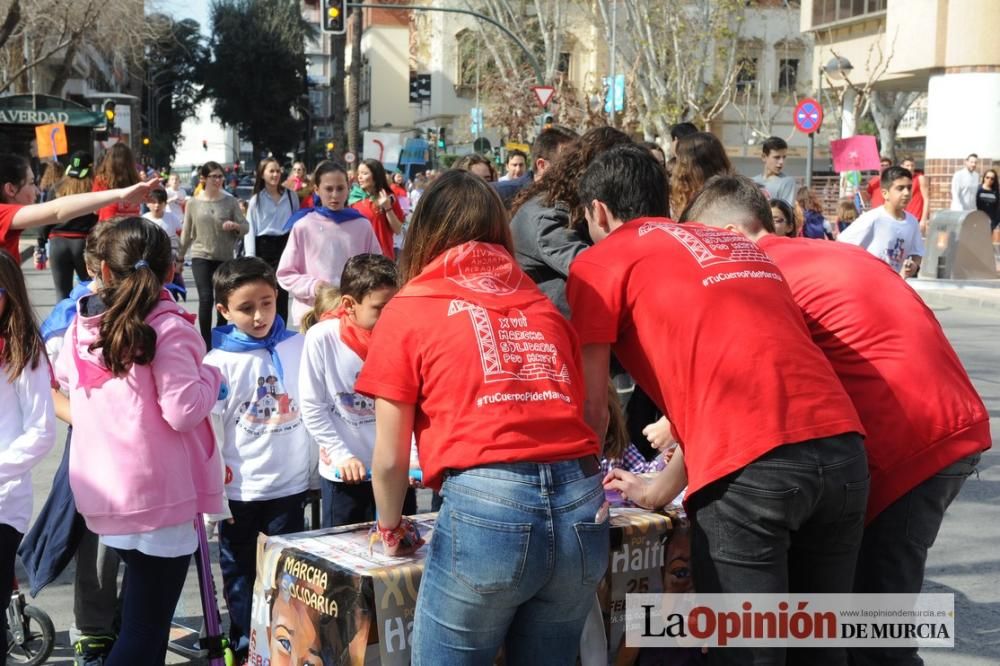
[66, 258]
[203, 270]
[151, 589]
[10, 539]
[269, 248]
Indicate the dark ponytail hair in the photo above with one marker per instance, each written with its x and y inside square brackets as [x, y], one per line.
[138, 256]
[14, 170]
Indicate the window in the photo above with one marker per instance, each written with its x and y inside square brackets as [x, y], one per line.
[420, 88]
[831, 11]
[746, 75]
[788, 74]
[563, 66]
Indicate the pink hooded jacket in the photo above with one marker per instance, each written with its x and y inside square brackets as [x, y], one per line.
[143, 452]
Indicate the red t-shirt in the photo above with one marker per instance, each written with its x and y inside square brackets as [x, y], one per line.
[10, 238]
[916, 205]
[874, 188]
[116, 209]
[703, 320]
[914, 398]
[380, 223]
[491, 365]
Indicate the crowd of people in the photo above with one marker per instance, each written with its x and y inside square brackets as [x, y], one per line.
[813, 426]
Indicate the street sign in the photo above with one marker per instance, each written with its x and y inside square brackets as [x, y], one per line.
[808, 116]
[543, 94]
[350, 157]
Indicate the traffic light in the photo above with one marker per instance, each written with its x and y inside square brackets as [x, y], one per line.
[547, 120]
[334, 16]
[441, 138]
[145, 140]
[109, 114]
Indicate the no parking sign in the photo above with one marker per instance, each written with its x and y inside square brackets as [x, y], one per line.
[808, 116]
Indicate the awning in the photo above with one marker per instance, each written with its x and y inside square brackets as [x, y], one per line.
[46, 109]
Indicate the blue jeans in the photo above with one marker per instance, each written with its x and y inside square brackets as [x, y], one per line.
[238, 553]
[515, 560]
[151, 589]
[353, 503]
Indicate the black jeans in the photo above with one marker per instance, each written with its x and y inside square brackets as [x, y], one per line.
[65, 259]
[203, 270]
[238, 553]
[894, 549]
[790, 521]
[10, 539]
[270, 248]
[151, 588]
[352, 503]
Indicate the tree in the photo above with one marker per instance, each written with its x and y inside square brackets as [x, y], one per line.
[40, 31]
[680, 57]
[505, 73]
[856, 100]
[256, 76]
[174, 57]
[888, 108]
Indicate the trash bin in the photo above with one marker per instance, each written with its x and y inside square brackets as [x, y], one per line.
[959, 247]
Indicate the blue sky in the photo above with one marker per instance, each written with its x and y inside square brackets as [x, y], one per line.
[181, 9]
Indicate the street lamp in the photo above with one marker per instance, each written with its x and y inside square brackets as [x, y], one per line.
[837, 68]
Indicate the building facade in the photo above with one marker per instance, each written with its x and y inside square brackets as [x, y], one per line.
[947, 48]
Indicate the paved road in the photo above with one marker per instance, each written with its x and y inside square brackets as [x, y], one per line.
[965, 560]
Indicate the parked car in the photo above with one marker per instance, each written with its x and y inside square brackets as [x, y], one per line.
[244, 192]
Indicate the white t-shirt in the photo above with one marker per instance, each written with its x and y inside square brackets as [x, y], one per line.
[27, 433]
[175, 202]
[267, 451]
[171, 224]
[341, 421]
[884, 236]
[172, 541]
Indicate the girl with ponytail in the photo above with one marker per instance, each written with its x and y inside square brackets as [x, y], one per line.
[143, 461]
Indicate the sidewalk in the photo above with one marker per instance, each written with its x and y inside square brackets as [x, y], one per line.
[967, 293]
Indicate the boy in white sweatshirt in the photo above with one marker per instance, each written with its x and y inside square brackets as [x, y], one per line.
[268, 454]
[341, 421]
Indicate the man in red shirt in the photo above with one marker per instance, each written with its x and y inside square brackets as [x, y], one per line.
[926, 424]
[768, 435]
[874, 186]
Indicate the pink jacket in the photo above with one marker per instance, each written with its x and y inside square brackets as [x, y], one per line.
[143, 452]
[317, 251]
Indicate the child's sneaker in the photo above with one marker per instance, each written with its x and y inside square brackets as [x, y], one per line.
[92, 650]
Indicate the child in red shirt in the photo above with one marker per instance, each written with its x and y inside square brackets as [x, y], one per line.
[476, 362]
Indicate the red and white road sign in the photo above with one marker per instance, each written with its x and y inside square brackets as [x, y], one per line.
[808, 116]
[349, 158]
[543, 94]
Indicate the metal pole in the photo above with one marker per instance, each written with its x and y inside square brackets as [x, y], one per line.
[809, 160]
[532, 60]
[614, 81]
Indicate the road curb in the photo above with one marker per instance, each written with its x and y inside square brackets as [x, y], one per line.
[951, 298]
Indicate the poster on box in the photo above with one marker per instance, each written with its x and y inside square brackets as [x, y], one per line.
[651, 553]
[308, 612]
[320, 597]
[395, 600]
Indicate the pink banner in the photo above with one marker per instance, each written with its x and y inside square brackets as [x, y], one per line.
[856, 153]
